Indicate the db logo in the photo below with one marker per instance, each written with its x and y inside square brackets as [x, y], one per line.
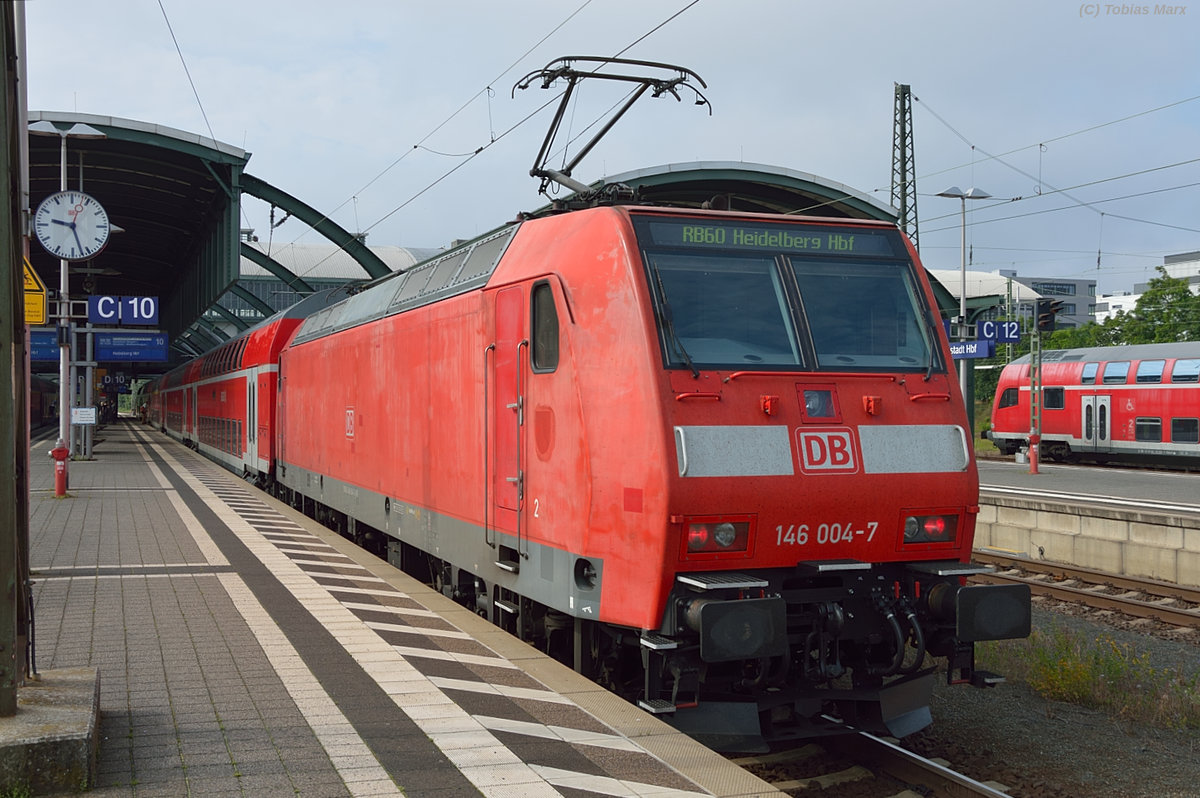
[827, 451]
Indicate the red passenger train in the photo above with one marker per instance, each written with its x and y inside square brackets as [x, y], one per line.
[43, 402]
[717, 461]
[1118, 403]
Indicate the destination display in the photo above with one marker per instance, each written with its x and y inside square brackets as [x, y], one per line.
[823, 240]
[43, 345]
[131, 346]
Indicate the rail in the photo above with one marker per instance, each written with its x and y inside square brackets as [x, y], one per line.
[1141, 598]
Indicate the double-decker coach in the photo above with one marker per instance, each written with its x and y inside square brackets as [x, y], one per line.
[223, 403]
[1139, 402]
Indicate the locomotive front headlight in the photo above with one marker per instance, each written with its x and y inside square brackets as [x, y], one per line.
[911, 528]
[725, 534]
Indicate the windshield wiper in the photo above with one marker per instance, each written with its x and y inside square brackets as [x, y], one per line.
[668, 324]
[934, 351]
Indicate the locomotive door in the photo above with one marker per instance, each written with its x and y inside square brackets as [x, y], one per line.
[507, 412]
[1095, 418]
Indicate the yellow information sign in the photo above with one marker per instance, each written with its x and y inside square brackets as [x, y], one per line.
[35, 297]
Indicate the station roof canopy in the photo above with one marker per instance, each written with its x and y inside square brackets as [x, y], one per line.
[174, 199]
[985, 290]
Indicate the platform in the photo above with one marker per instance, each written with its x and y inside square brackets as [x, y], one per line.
[245, 650]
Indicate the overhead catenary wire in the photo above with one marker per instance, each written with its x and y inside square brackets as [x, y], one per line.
[1044, 142]
[1010, 200]
[1094, 202]
[186, 71]
[493, 138]
[486, 90]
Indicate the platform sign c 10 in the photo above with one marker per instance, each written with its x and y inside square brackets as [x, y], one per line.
[1002, 332]
[129, 310]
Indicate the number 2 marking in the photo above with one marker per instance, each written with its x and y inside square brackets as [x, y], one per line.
[535, 507]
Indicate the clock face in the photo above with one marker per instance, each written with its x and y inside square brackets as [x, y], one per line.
[71, 225]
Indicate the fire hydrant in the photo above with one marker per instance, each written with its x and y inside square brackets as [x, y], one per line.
[60, 453]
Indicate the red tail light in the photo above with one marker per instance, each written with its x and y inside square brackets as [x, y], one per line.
[933, 528]
[714, 537]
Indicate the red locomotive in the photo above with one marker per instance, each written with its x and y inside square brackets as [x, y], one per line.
[1118, 403]
[717, 461]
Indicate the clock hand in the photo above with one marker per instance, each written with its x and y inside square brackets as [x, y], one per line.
[64, 224]
[77, 241]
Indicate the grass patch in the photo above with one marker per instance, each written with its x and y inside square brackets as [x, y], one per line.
[983, 420]
[1062, 665]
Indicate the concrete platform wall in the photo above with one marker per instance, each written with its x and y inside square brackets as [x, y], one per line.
[1131, 543]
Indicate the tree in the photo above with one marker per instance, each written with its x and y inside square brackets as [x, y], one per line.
[1167, 312]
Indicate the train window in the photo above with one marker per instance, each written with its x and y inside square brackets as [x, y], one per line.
[1116, 372]
[1148, 429]
[732, 294]
[1089, 373]
[1185, 430]
[863, 315]
[545, 329]
[1009, 398]
[1186, 370]
[1053, 399]
[716, 309]
[1150, 370]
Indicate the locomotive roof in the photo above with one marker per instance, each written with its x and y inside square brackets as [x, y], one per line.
[1175, 350]
[753, 187]
[330, 262]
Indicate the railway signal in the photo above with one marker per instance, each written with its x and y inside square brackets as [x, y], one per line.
[1047, 313]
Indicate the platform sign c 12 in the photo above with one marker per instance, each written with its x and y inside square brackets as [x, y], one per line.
[1002, 332]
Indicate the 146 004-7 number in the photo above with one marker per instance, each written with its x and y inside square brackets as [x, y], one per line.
[803, 534]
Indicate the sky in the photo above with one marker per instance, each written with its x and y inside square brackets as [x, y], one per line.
[399, 118]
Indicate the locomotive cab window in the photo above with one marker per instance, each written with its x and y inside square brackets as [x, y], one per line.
[545, 328]
[1009, 398]
[735, 294]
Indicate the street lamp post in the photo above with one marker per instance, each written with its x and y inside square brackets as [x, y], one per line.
[81, 131]
[954, 192]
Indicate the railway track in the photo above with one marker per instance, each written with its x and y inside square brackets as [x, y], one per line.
[864, 766]
[1141, 598]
